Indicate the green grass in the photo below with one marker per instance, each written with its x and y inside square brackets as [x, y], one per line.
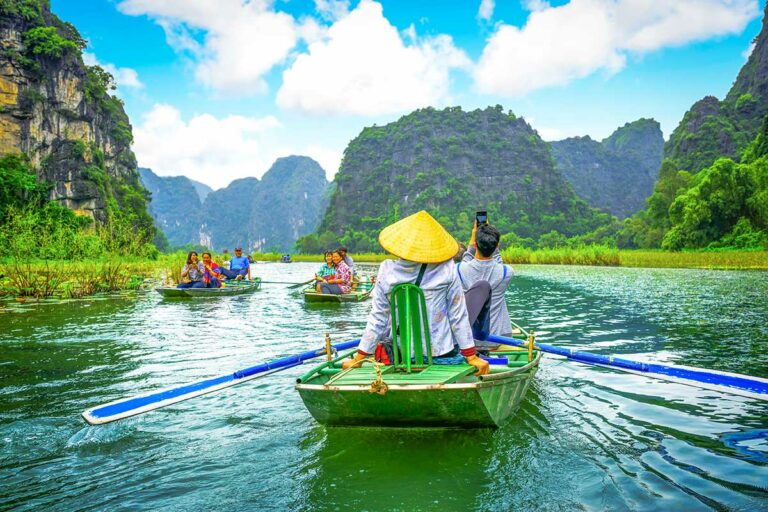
[608, 256]
[38, 279]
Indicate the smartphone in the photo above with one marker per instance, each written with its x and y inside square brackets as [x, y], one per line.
[481, 216]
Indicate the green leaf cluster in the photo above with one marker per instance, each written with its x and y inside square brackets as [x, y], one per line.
[47, 42]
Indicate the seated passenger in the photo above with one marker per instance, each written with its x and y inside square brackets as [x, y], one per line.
[212, 274]
[425, 251]
[327, 270]
[347, 259]
[192, 273]
[239, 266]
[339, 282]
[482, 262]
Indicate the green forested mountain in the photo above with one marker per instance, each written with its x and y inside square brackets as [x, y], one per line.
[712, 129]
[266, 214]
[618, 173]
[451, 162]
[60, 124]
[712, 189]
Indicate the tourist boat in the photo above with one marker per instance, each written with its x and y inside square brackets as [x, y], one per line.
[433, 396]
[362, 292]
[230, 288]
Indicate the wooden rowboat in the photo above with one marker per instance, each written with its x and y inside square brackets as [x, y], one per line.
[437, 396]
[231, 288]
[360, 294]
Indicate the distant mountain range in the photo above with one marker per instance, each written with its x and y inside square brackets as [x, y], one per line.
[617, 174]
[259, 215]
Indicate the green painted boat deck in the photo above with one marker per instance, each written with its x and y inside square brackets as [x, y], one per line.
[435, 374]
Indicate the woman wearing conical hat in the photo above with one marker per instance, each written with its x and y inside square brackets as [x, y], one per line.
[423, 246]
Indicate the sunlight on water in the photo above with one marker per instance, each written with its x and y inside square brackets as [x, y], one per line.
[585, 438]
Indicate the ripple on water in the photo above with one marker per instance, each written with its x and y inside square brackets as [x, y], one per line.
[585, 438]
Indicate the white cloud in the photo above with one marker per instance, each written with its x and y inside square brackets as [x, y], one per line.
[363, 67]
[560, 44]
[332, 10]
[212, 150]
[328, 158]
[126, 78]
[485, 12]
[242, 40]
[535, 5]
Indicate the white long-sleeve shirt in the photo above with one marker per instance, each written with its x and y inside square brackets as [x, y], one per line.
[447, 310]
[498, 275]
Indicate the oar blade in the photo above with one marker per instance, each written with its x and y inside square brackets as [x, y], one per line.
[731, 383]
[153, 400]
[132, 406]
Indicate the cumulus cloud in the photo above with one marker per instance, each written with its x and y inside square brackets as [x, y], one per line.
[205, 148]
[363, 67]
[233, 43]
[125, 78]
[216, 150]
[564, 43]
[485, 12]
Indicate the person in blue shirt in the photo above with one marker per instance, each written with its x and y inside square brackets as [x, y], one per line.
[239, 266]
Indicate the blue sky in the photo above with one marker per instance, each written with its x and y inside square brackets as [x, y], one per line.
[217, 90]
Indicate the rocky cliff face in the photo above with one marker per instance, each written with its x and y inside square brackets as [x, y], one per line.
[714, 128]
[258, 215]
[58, 112]
[617, 174]
[451, 162]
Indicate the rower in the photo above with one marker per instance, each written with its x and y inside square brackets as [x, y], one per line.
[425, 253]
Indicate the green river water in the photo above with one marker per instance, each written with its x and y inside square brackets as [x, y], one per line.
[585, 438]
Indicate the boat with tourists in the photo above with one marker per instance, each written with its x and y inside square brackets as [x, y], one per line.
[232, 287]
[359, 292]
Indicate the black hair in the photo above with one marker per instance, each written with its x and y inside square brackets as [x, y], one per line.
[342, 248]
[189, 257]
[202, 255]
[487, 239]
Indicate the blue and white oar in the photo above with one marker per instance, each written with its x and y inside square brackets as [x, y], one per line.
[732, 383]
[146, 402]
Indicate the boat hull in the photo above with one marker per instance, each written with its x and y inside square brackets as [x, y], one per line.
[333, 298]
[204, 293]
[470, 403]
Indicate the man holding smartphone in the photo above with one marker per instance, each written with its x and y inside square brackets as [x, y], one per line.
[482, 262]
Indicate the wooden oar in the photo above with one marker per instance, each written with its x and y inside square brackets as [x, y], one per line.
[126, 407]
[725, 382]
[297, 285]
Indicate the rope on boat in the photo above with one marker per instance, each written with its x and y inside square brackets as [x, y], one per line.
[378, 386]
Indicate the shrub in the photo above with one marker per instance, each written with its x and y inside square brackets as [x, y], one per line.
[46, 42]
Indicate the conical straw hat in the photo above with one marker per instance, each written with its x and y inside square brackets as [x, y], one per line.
[419, 238]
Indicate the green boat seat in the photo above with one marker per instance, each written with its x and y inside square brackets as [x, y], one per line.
[410, 328]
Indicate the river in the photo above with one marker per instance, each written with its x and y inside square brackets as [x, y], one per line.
[585, 438]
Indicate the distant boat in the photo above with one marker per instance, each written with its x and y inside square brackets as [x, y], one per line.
[230, 288]
[286, 258]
